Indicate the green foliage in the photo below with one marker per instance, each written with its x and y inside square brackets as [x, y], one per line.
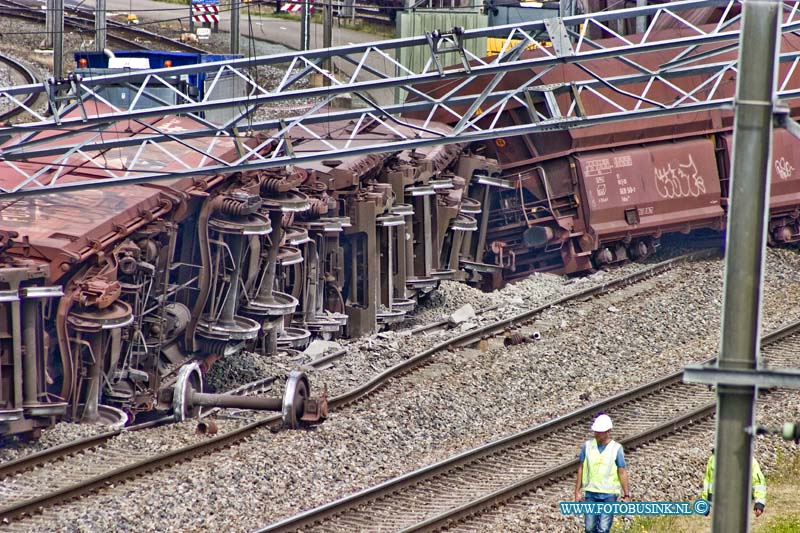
[282, 15]
[788, 466]
[784, 524]
[179, 2]
[380, 30]
[384, 31]
[646, 524]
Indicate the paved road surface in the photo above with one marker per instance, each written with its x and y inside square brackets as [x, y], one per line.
[279, 31]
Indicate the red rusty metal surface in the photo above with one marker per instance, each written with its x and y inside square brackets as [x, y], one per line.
[345, 172]
[535, 148]
[666, 187]
[607, 67]
[785, 180]
[65, 228]
[695, 16]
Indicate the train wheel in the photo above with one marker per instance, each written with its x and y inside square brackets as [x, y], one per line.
[112, 417]
[639, 250]
[603, 256]
[190, 379]
[294, 399]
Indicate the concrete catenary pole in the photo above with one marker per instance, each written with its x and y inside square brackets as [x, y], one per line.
[235, 31]
[749, 190]
[100, 26]
[58, 39]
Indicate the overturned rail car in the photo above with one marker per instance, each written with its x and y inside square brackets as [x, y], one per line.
[574, 199]
[114, 300]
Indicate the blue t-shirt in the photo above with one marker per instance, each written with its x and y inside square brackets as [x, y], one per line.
[600, 447]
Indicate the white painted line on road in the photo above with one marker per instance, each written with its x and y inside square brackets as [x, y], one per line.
[283, 28]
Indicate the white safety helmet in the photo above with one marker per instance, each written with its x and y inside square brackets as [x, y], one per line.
[602, 424]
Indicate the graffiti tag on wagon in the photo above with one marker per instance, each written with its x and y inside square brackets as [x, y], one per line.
[783, 168]
[679, 180]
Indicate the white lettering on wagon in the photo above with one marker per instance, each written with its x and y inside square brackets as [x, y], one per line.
[597, 167]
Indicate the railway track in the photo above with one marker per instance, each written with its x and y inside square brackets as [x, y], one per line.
[260, 386]
[128, 465]
[20, 75]
[83, 19]
[60, 453]
[459, 489]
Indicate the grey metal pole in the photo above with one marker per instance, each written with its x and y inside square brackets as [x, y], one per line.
[566, 8]
[100, 25]
[327, 36]
[348, 9]
[305, 26]
[641, 22]
[749, 190]
[49, 23]
[58, 39]
[235, 32]
[327, 22]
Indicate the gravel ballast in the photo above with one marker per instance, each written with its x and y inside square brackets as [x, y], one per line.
[464, 398]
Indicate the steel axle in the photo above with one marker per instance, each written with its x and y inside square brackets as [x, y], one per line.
[296, 405]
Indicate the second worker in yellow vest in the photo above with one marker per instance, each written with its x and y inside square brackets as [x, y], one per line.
[758, 482]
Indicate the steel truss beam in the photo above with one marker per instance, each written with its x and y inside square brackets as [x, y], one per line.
[473, 97]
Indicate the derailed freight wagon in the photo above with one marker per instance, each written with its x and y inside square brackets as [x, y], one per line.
[572, 199]
[114, 301]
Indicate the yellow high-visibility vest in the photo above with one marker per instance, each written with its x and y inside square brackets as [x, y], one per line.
[756, 479]
[600, 473]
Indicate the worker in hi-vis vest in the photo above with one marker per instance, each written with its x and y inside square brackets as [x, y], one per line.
[758, 482]
[601, 474]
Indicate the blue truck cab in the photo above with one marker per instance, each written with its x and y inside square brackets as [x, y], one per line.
[194, 85]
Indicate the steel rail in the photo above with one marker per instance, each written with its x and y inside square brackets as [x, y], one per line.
[22, 11]
[29, 76]
[553, 475]
[473, 336]
[274, 422]
[62, 451]
[529, 483]
[85, 21]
